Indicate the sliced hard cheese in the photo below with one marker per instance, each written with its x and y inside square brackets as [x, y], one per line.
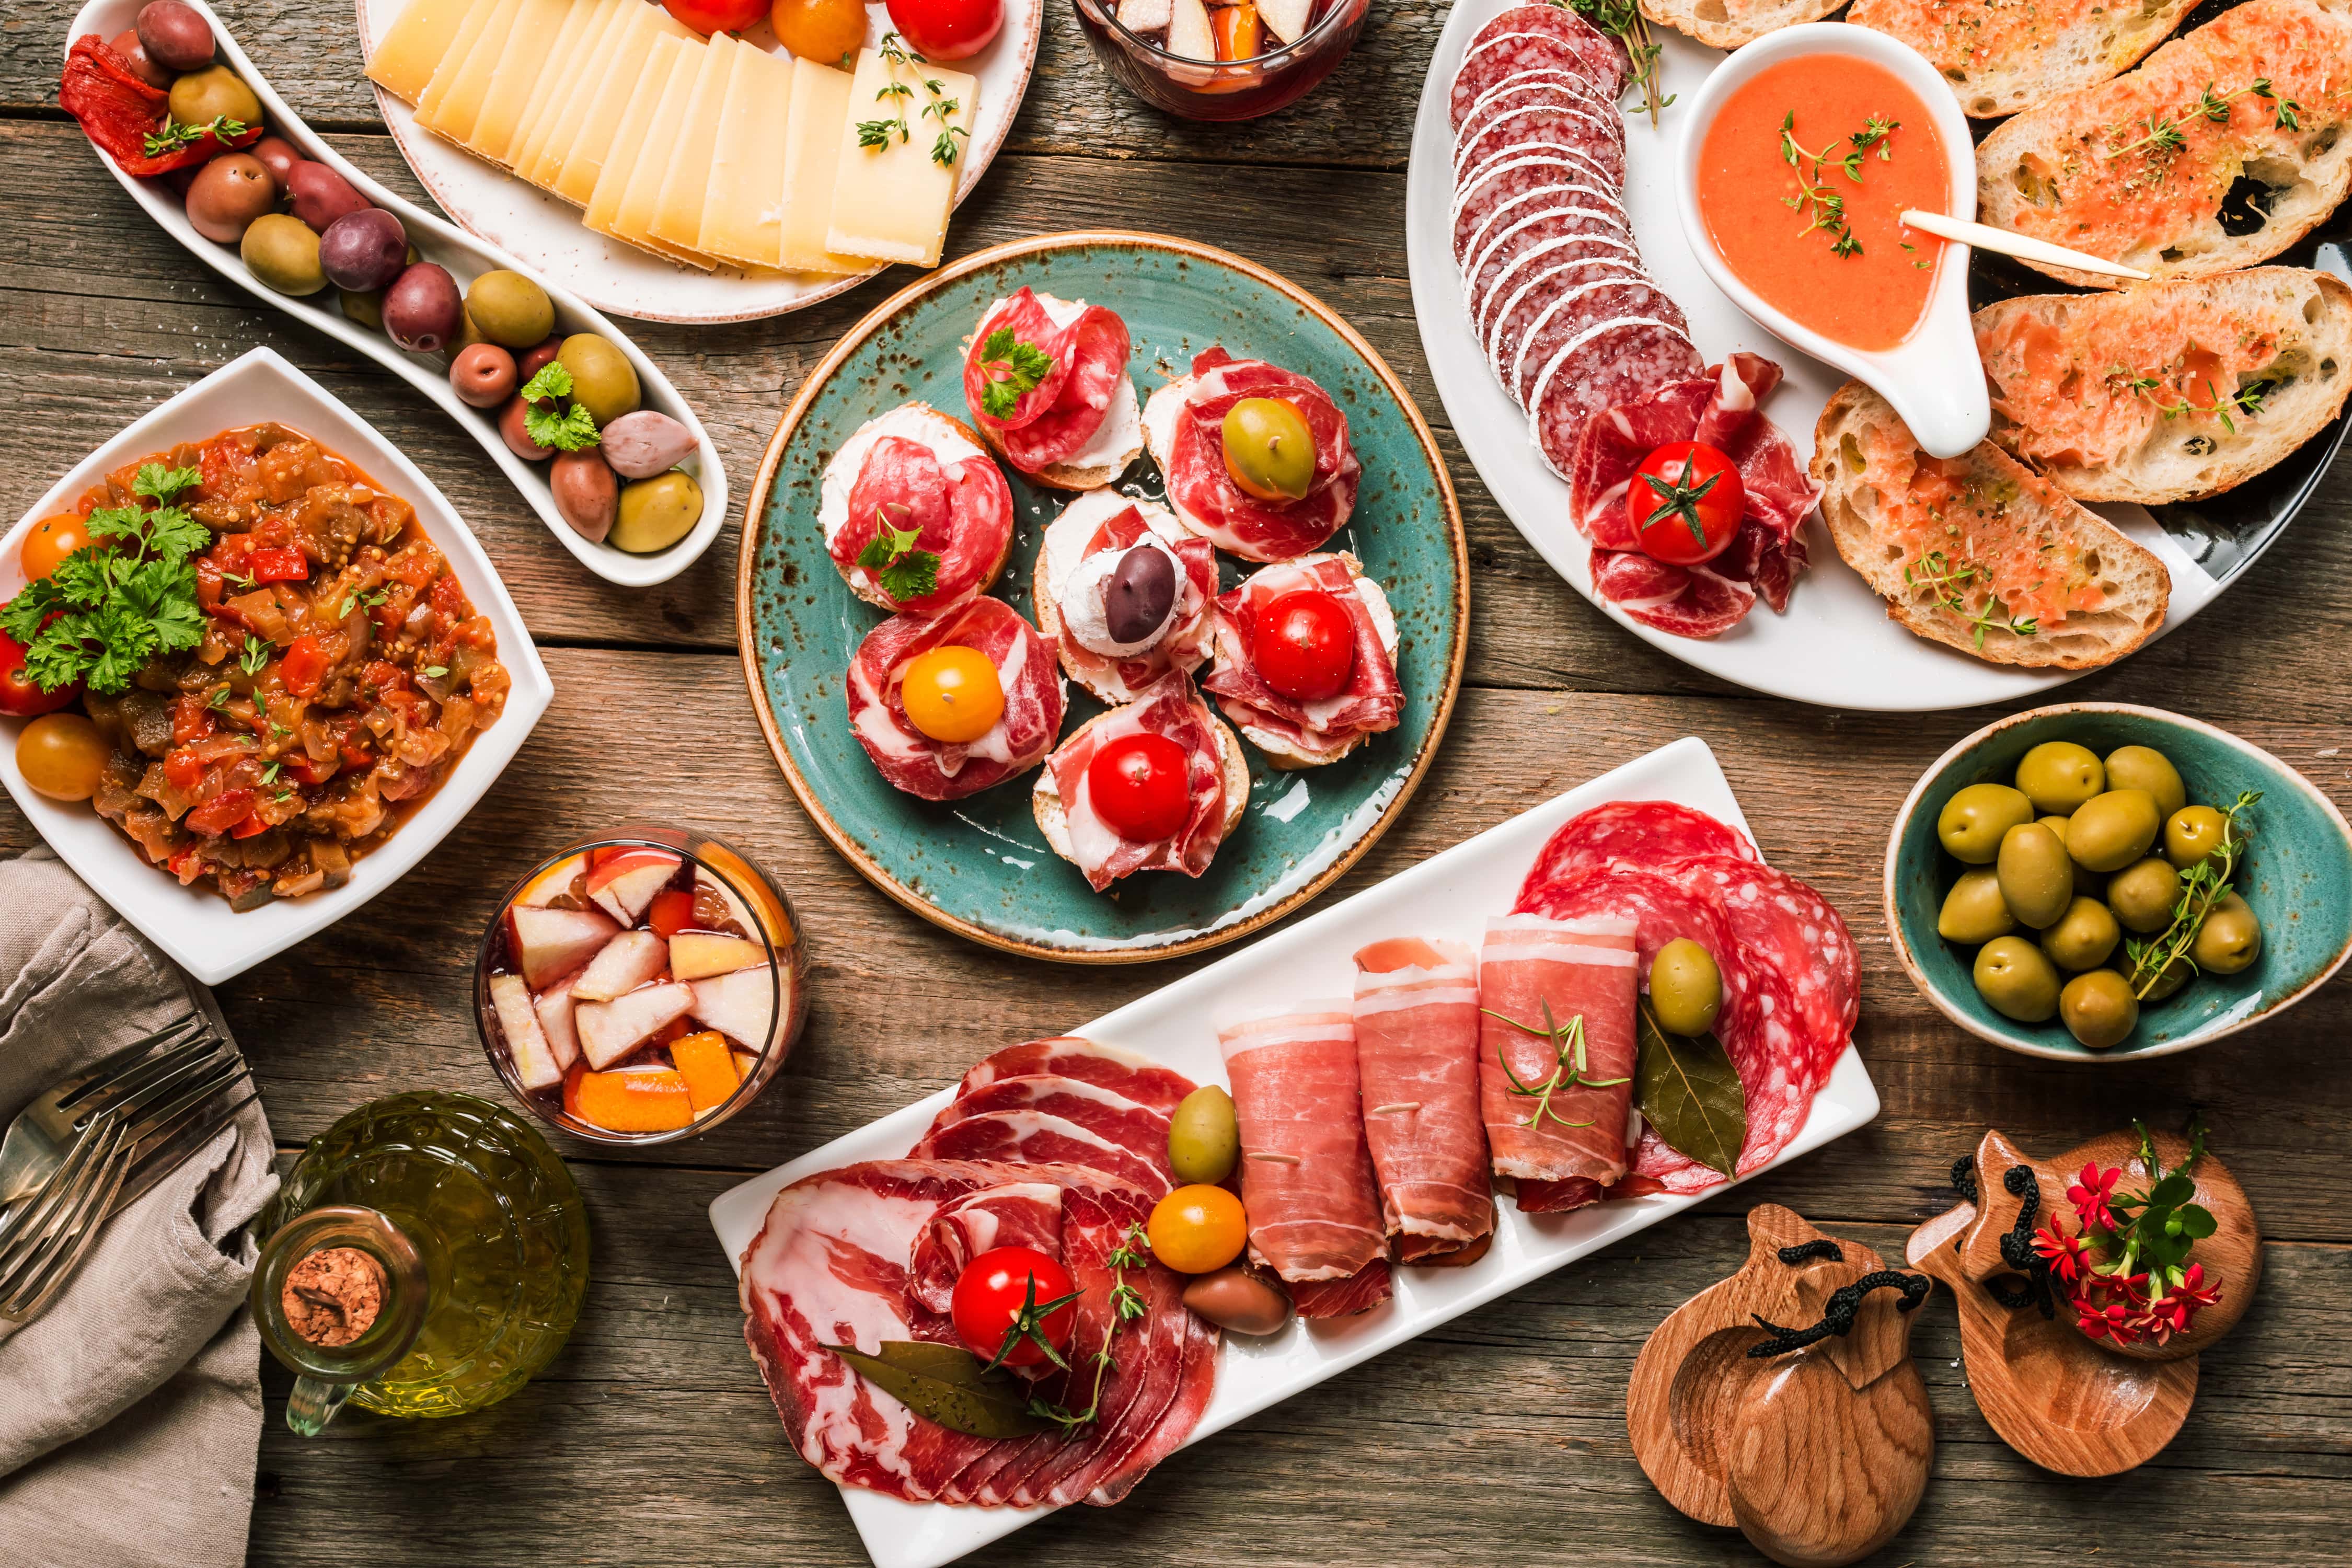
[418, 39]
[564, 85]
[587, 147]
[677, 210]
[742, 216]
[814, 129]
[633, 220]
[453, 60]
[890, 201]
[582, 21]
[626, 134]
[456, 114]
[537, 24]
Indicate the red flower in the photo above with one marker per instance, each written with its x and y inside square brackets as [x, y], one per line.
[2090, 1195]
[2064, 1253]
[2171, 1313]
[2112, 1323]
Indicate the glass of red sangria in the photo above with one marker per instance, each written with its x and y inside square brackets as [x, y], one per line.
[1204, 60]
[641, 986]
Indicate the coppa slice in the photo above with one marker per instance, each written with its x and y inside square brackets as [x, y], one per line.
[1135, 1127]
[1035, 1138]
[1183, 426]
[1130, 1073]
[938, 769]
[1011, 1214]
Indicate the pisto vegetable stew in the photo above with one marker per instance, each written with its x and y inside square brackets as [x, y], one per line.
[270, 661]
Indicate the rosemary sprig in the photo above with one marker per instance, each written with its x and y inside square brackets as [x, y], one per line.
[1568, 1067]
[1935, 573]
[2205, 884]
[1623, 20]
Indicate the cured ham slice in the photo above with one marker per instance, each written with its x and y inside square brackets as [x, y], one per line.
[1056, 420]
[936, 769]
[915, 470]
[1308, 734]
[1170, 707]
[1034, 1137]
[1130, 1073]
[1184, 424]
[1105, 1113]
[1102, 524]
[1011, 1214]
[1578, 969]
[1306, 1172]
[1416, 1018]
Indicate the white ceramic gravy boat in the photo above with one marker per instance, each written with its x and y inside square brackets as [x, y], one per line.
[1933, 378]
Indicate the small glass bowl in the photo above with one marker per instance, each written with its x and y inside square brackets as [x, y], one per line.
[772, 923]
[1222, 90]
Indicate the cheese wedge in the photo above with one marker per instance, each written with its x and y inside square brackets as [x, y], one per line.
[742, 215]
[453, 60]
[814, 128]
[563, 73]
[678, 211]
[626, 134]
[890, 200]
[415, 44]
[632, 218]
[453, 117]
[592, 141]
[537, 24]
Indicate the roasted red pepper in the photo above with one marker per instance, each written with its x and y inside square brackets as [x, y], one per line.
[185, 769]
[301, 768]
[221, 813]
[191, 720]
[276, 564]
[304, 665]
[119, 113]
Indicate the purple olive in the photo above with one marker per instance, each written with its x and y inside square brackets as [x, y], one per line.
[587, 495]
[228, 194]
[517, 433]
[647, 443]
[535, 359]
[135, 55]
[483, 375]
[1141, 592]
[319, 196]
[175, 37]
[422, 309]
[364, 250]
[278, 156]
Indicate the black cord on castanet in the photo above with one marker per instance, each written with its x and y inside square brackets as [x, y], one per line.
[1838, 1316]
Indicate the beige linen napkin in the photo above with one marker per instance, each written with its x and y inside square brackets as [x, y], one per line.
[129, 1410]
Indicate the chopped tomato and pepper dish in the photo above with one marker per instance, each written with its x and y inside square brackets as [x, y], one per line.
[271, 661]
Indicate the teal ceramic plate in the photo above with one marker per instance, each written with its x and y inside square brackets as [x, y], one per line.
[978, 865]
[2297, 877]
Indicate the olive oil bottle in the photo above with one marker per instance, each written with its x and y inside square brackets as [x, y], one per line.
[429, 1257]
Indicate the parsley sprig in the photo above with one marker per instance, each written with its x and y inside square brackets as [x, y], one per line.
[544, 417]
[127, 596]
[2247, 399]
[901, 571]
[1012, 370]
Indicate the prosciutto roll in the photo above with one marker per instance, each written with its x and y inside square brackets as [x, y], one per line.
[1417, 1059]
[1574, 1134]
[1307, 1172]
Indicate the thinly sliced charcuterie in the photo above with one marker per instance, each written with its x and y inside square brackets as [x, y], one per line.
[1556, 1045]
[1216, 782]
[1033, 1137]
[1505, 194]
[1045, 381]
[1026, 672]
[1298, 732]
[915, 471]
[1598, 368]
[1086, 564]
[1135, 1127]
[1184, 426]
[1136, 1075]
[1572, 77]
[1516, 125]
[1576, 314]
[1524, 273]
[1522, 230]
[1532, 36]
[1650, 834]
[1417, 1060]
[1684, 601]
[1011, 1214]
[1797, 935]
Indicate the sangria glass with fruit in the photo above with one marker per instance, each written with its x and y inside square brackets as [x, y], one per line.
[1210, 59]
[642, 985]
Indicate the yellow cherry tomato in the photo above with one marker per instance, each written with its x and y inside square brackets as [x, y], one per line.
[824, 31]
[52, 540]
[1198, 1228]
[952, 694]
[61, 755]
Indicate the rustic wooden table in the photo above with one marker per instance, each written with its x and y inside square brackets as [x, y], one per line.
[1499, 1438]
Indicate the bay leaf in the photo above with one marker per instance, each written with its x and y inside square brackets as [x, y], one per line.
[944, 1384]
[1689, 1091]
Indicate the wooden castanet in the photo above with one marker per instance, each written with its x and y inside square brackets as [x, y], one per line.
[1818, 1454]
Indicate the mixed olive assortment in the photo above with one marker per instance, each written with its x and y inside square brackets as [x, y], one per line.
[2092, 886]
[614, 470]
[1201, 1227]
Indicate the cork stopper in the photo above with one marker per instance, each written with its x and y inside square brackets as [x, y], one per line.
[333, 1295]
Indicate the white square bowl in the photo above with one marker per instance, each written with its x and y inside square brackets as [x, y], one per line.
[195, 925]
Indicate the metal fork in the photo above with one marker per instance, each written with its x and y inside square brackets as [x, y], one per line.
[38, 1140]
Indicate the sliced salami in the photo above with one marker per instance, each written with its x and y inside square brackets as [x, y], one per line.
[1328, 729]
[1511, 275]
[1573, 81]
[1512, 192]
[1682, 601]
[1563, 216]
[1529, 35]
[1579, 290]
[1602, 365]
[1169, 708]
[1572, 312]
[1651, 834]
[1576, 163]
[1794, 930]
[1529, 123]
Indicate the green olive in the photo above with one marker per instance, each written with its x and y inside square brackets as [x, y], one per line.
[202, 97]
[2059, 776]
[1973, 911]
[2017, 980]
[2082, 937]
[2082, 879]
[1686, 987]
[1972, 822]
[509, 310]
[603, 380]
[655, 513]
[363, 306]
[2177, 973]
[2112, 830]
[2230, 938]
[2036, 879]
[282, 251]
[1269, 450]
[2145, 767]
[2142, 895]
[2099, 1008]
[1205, 1140]
[2192, 833]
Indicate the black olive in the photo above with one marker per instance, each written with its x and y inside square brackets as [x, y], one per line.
[1141, 590]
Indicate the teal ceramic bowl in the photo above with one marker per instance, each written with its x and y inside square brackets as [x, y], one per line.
[2296, 876]
[980, 867]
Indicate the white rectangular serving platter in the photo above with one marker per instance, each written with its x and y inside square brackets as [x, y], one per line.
[1447, 895]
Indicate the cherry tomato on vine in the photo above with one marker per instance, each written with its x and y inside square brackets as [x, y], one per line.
[948, 29]
[1305, 643]
[1684, 503]
[708, 16]
[52, 540]
[952, 694]
[21, 697]
[1013, 1304]
[1141, 784]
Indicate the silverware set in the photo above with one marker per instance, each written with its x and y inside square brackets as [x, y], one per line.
[95, 1143]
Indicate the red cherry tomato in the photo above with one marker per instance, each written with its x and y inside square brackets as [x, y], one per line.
[20, 696]
[997, 1304]
[1142, 786]
[948, 29]
[1686, 502]
[708, 16]
[1305, 644]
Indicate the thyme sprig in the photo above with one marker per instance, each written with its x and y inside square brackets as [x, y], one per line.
[1826, 204]
[222, 128]
[898, 95]
[1944, 582]
[2247, 399]
[1568, 1065]
[1623, 20]
[2205, 885]
[1126, 1304]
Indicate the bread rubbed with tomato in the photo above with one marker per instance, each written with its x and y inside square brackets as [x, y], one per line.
[2169, 391]
[2223, 148]
[1728, 23]
[2000, 57]
[1980, 544]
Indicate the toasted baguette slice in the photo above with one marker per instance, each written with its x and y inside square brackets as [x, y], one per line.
[2133, 170]
[1054, 821]
[2000, 57]
[2271, 347]
[1855, 498]
[1728, 23]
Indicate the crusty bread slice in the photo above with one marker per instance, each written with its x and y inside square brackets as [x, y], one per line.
[2000, 57]
[1054, 821]
[1728, 23]
[2128, 169]
[2300, 320]
[2135, 584]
